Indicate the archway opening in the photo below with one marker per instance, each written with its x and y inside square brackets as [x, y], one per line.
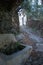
[22, 17]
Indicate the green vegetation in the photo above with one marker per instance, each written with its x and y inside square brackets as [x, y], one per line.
[34, 10]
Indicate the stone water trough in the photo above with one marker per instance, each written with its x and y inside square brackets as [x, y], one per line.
[17, 58]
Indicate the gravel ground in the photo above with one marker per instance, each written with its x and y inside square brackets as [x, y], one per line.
[36, 58]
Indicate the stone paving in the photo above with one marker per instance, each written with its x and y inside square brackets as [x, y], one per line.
[29, 38]
[24, 39]
[31, 34]
[36, 58]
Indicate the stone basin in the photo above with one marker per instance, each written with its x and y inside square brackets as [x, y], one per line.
[17, 58]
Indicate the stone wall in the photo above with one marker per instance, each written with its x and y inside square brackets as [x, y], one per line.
[18, 58]
[7, 25]
[6, 40]
[36, 25]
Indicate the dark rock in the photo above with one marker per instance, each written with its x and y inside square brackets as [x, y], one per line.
[6, 22]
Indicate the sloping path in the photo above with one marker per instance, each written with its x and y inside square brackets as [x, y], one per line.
[31, 35]
[27, 37]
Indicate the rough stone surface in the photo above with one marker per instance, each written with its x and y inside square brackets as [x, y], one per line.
[36, 59]
[17, 58]
[36, 25]
[24, 39]
[8, 21]
[39, 47]
[6, 39]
